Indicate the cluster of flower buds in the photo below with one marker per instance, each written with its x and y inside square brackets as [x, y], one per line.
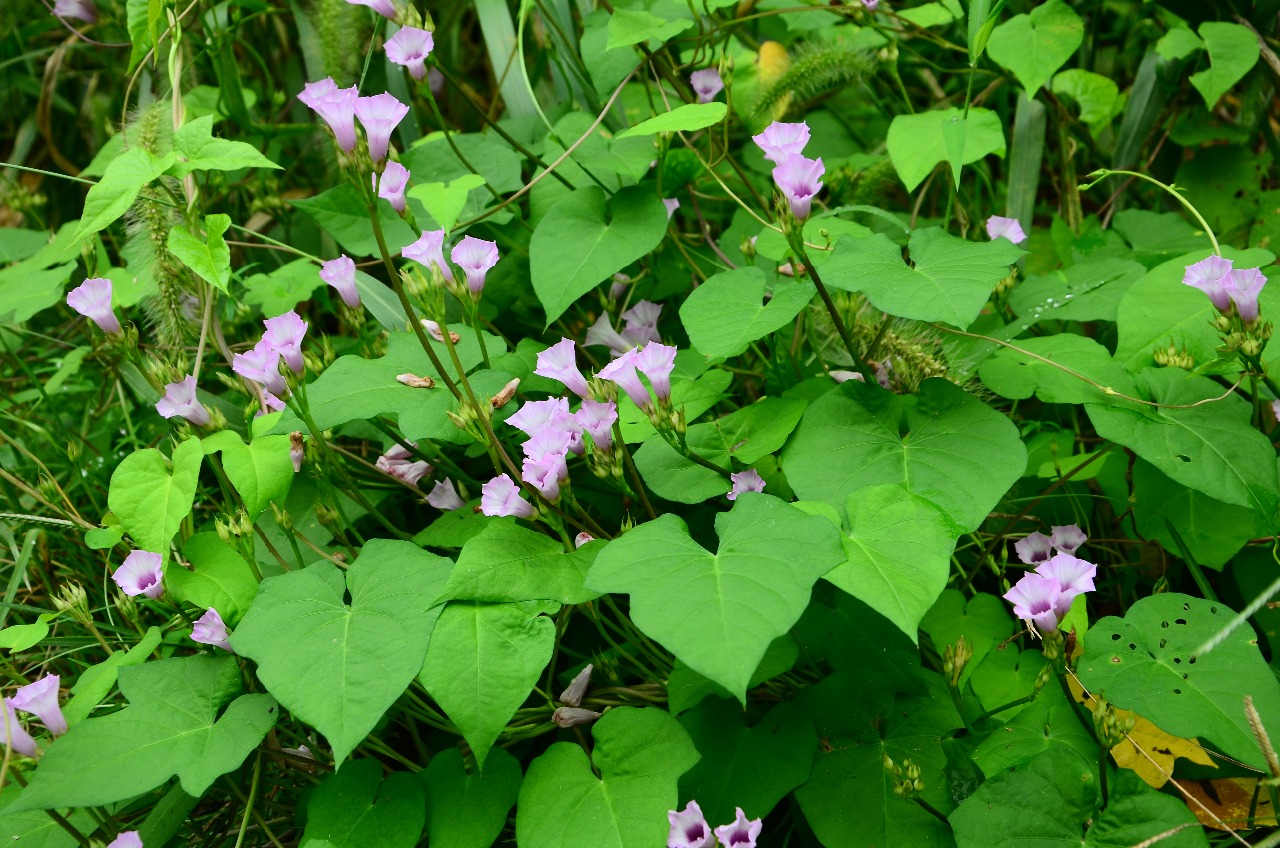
[1110, 725]
[954, 659]
[689, 829]
[1173, 356]
[1043, 596]
[907, 780]
[798, 179]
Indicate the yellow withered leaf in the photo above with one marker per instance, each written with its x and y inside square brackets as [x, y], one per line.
[1231, 799]
[772, 61]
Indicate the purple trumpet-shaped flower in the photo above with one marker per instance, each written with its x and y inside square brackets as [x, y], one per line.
[262, 365]
[398, 462]
[1034, 548]
[1035, 600]
[475, 257]
[15, 735]
[284, 334]
[180, 401]
[559, 362]
[1213, 277]
[379, 115]
[127, 839]
[269, 403]
[1009, 228]
[428, 251]
[1073, 576]
[141, 573]
[1246, 284]
[81, 10]
[501, 497]
[740, 833]
[871, 6]
[210, 629]
[392, 183]
[656, 361]
[558, 436]
[672, 205]
[340, 273]
[1067, 538]
[545, 472]
[745, 481]
[92, 299]
[386, 8]
[602, 334]
[336, 106]
[622, 371]
[597, 418]
[782, 141]
[642, 323]
[40, 699]
[445, 496]
[534, 415]
[799, 179]
[706, 83]
[689, 828]
[410, 48]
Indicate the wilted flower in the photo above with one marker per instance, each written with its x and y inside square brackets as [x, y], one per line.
[17, 738]
[82, 10]
[622, 371]
[41, 700]
[656, 361]
[210, 629]
[505, 394]
[672, 205]
[180, 400]
[572, 695]
[1067, 538]
[571, 716]
[428, 251]
[336, 106]
[706, 83]
[410, 48]
[392, 183]
[297, 451]
[1034, 548]
[740, 833]
[1213, 277]
[284, 334]
[501, 497]
[434, 331]
[270, 403]
[597, 418]
[1246, 284]
[398, 463]
[92, 299]
[386, 8]
[799, 179]
[141, 573]
[127, 839]
[689, 829]
[745, 481]
[379, 115]
[475, 257]
[445, 496]
[261, 364]
[781, 141]
[559, 362]
[340, 273]
[998, 227]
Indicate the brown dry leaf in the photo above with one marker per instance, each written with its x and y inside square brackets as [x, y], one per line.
[1230, 799]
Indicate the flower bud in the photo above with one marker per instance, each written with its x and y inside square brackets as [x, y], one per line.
[572, 716]
[572, 696]
[282, 518]
[1250, 348]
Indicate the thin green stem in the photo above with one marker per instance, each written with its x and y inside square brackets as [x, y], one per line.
[1103, 173]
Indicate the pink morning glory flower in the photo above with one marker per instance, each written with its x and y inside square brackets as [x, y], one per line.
[998, 227]
[559, 362]
[642, 323]
[597, 418]
[555, 436]
[672, 205]
[82, 10]
[92, 299]
[1034, 548]
[392, 183]
[1067, 538]
[140, 574]
[706, 83]
[340, 273]
[602, 334]
[428, 251]
[410, 48]
[210, 629]
[1246, 284]
[1073, 576]
[743, 482]
[534, 415]
[40, 699]
[336, 106]
[1035, 601]
[689, 828]
[799, 179]
[622, 371]
[871, 7]
[284, 334]
[781, 141]
[379, 115]
[398, 462]
[501, 497]
[1213, 277]
[19, 740]
[386, 8]
[740, 833]
[269, 402]
[445, 496]
[261, 364]
[127, 839]
[545, 473]
[578, 541]
[180, 401]
[656, 362]
[475, 257]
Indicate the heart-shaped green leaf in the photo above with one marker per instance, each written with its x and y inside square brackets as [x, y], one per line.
[1034, 46]
[725, 314]
[261, 471]
[219, 577]
[445, 202]
[469, 809]
[917, 142]
[356, 808]
[149, 499]
[209, 257]
[1233, 51]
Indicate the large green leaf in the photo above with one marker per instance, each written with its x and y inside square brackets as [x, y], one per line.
[112, 196]
[724, 315]
[1048, 724]
[1013, 374]
[445, 202]
[917, 143]
[1212, 448]
[35, 829]
[1096, 96]
[983, 621]
[586, 238]
[199, 150]
[342, 213]
[1085, 291]
[219, 577]
[1146, 662]
[685, 118]
[261, 471]
[1212, 531]
[1233, 51]
[1035, 46]
[150, 499]
[506, 562]
[951, 280]
[483, 661]
[628, 27]
[175, 724]
[283, 288]
[209, 257]
[686, 688]
[719, 612]
[356, 808]
[469, 809]
[338, 653]
[97, 681]
[618, 798]
[943, 445]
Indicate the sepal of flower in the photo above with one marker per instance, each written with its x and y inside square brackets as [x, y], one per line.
[92, 299]
[706, 83]
[379, 114]
[1008, 228]
[475, 257]
[336, 107]
[444, 496]
[180, 401]
[40, 699]
[410, 48]
[398, 462]
[141, 573]
[210, 629]
[391, 184]
[501, 497]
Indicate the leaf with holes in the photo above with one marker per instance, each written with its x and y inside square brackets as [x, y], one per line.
[1146, 662]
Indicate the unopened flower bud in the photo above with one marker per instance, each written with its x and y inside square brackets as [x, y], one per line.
[224, 531]
[327, 516]
[413, 381]
[1250, 348]
[73, 601]
[571, 716]
[1222, 324]
[282, 518]
[572, 696]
